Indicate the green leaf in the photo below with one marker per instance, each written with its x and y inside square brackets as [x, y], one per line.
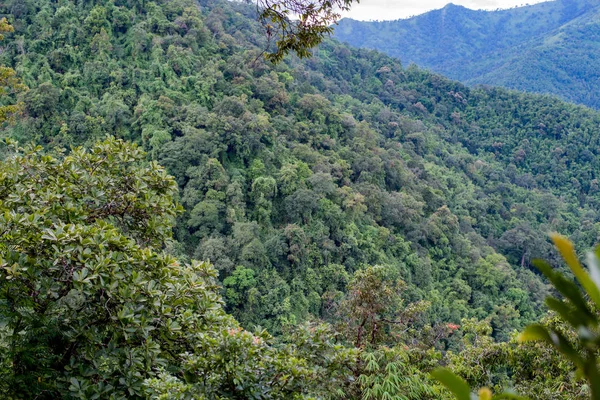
[569, 314]
[594, 267]
[567, 251]
[541, 333]
[455, 384]
[566, 288]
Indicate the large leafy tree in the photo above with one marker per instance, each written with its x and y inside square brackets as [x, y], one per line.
[93, 306]
[373, 310]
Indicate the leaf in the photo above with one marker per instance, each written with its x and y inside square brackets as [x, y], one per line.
[75, 385]
[567, 288]
[567, 251]
[455, 384]
[49, 235]
[541, 333]
[594, 267]
[570, 314]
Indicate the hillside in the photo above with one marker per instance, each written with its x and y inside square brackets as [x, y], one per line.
[313, 186]
[549, 47]
[295, 176]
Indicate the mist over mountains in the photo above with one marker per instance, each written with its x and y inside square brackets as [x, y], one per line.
[549, 47]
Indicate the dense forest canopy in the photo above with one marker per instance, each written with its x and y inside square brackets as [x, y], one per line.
[550, 47]
[378, 220]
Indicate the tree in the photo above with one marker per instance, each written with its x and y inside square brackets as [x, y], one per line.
[91, 306]
[10, 84]
[314, 22]
[373, 305]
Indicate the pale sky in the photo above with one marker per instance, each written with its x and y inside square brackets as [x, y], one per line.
[368, 10]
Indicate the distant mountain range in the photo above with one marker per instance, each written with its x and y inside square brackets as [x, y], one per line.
[551, 47]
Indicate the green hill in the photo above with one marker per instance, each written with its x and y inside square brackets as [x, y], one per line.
[295, 176]
[318, 188]
[550, 47]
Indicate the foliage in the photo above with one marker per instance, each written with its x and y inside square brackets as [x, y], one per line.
[314, 21]
[534, 370]
[10, 85]
[327, 192]
[393, 374]
[575, 312]
[92, 307]
[575, 337]
[295, 176]
[373, 310]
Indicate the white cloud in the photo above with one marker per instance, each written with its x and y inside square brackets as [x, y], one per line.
[394, 9]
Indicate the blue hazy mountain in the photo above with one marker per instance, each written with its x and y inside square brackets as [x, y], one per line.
[550, 47]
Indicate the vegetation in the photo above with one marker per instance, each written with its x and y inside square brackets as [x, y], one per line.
[378, 221]
[299, 25]
[549, 47]
[10, 85]
[93, 307]
[577, 336]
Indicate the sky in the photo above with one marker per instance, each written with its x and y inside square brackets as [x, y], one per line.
[368, 10]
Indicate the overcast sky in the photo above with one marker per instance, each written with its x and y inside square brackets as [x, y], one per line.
[395, 9]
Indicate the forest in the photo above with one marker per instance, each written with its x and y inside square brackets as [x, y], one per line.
[182, 219]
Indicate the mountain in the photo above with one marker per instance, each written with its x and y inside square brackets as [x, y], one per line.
[368, 215]
[549, 47]
[295, 176]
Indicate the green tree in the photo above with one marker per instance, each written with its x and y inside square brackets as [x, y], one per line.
[373, 310]
[10, 84]
[297, 25]
[92, 307]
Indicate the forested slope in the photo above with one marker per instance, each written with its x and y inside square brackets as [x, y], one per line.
[295, 176]
[549, 47]
[388, 201]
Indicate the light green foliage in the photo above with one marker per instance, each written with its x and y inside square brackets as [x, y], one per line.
[392, 374]
[238, 287]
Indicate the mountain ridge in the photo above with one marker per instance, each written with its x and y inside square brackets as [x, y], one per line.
[516, 48]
